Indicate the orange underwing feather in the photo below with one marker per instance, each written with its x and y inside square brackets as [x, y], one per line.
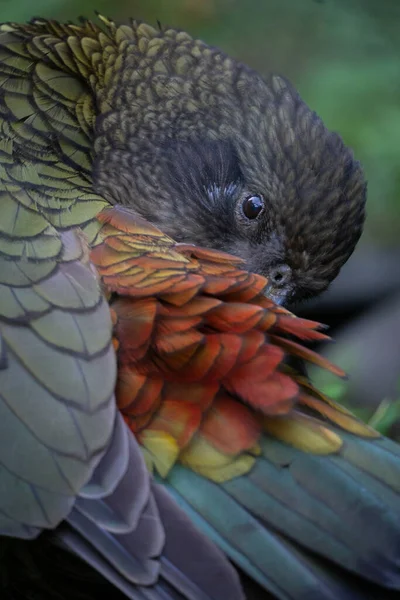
[137, 393]
[134, 326]
[180, 420]
[202, 353]
[302, 328]
[309, 355]
[227, 415]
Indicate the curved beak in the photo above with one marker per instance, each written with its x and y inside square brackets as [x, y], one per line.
[277, 295]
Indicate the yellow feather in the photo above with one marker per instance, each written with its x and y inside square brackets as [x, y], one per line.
[304, 433]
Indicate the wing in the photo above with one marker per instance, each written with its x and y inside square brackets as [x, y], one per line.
[56, 376]
[280, 477]
[67, 459]
[57, 367]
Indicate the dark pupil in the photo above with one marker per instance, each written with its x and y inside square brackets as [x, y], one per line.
[252, 206]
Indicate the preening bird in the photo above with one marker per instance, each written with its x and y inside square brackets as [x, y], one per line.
[197, 143]
[149, 421]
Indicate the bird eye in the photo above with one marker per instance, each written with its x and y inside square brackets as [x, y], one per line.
[252, 206]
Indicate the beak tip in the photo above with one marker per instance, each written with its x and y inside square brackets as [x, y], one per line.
[279, 297]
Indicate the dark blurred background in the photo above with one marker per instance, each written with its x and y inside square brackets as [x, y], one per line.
[344, 58]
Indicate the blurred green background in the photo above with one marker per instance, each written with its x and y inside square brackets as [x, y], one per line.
[344, 58]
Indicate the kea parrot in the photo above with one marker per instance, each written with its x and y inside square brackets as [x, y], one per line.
[159, 203]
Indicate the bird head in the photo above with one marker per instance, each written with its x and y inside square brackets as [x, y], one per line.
[221, 157]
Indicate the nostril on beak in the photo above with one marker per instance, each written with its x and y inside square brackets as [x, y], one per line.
[280, 276]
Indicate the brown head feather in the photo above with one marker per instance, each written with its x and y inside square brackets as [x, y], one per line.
[187, 135]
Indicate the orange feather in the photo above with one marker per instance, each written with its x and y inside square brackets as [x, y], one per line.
[201, 349]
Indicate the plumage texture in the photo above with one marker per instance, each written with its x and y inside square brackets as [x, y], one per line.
[233, 451]
[196, 370]
[133, 106]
